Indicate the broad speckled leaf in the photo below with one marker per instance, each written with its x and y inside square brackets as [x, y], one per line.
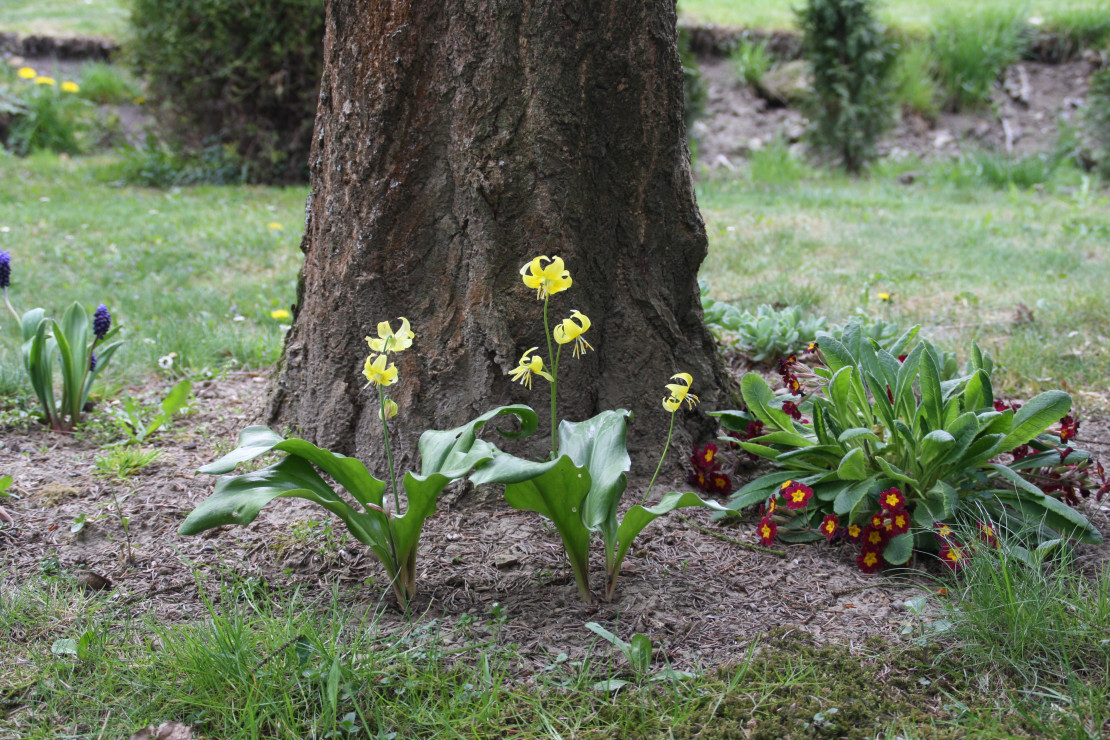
[558, 494]
[253, 441]
[238, 500]
[639, 517]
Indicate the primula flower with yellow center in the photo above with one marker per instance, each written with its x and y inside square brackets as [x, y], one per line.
[43, 80]
[70, 87]
[771, 505]
[388, 341]
[767, 531]
[898, 523]
[873, 537]
[528, 367]
[546, 281]
[892, 498]
[953, 556]
[797, 495]
[943, 530]
[571, 331]
[854, 531]
[26, 73]
[680, 393]
[869, 561]
[830, 525]
[377, 373]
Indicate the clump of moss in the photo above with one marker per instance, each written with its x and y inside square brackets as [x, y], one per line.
[795, 687]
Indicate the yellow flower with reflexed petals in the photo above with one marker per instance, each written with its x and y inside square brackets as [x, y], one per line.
[527, 367]
[377, 373]
[388, 341]
[570, 330]
[70, 87]
[680, 393]
[546, 281]
[44, 80]
[26, 73]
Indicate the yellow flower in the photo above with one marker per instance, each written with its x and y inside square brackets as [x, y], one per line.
[42, 80]
[884, 296]
[70, 87]
[27, 73]
[528, 367]
[377, 373]
[548, 280]
[680, 393]
[387, 341]
[391, 409]
[280, 314]
[275, 226]
[571, 331]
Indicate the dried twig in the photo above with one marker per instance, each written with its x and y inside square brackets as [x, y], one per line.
[731, 540]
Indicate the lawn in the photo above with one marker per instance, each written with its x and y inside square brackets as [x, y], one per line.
[106, 18]
[1020, 271]
[192, 273]
[912, 14]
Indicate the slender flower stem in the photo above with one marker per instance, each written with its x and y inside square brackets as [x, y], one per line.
[663, 457]
[554, 380]
[389, 454]
[7, 301]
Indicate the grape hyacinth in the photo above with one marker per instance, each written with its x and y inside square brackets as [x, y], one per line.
[92, 362]
[6, 279]
[102, 321]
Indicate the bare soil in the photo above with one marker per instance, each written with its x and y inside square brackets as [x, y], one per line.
[702, 598]
[1027, 109]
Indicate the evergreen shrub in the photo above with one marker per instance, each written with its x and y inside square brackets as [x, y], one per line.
[243, 73]
[851, 60]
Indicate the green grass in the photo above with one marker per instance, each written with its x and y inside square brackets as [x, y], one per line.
[107, 18]
[267, 663]
[917, 15]
[193, 273]
[958, 256]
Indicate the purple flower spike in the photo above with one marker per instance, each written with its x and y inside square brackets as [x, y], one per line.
[92, 363]
[5, 269]
[102, 321]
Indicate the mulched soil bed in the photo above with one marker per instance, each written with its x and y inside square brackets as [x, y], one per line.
[700, 597]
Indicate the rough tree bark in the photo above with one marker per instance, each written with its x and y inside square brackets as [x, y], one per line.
[457, 139]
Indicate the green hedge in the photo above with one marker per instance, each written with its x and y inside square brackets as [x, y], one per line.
[242, 74]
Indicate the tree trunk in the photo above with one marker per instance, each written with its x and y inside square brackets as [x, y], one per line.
[456, 140]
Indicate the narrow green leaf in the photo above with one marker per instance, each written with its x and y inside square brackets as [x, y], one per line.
[760, 399]
[1035, 416]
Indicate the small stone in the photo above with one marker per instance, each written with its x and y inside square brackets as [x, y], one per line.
[505, 560]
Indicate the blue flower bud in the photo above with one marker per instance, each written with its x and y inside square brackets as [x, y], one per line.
[92, 363]
[5, 269]
[102, 321]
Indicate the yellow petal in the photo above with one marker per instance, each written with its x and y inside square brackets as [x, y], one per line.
[27, 73]
[671, 404]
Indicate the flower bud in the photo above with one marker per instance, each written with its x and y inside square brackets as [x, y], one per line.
[391, 409]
